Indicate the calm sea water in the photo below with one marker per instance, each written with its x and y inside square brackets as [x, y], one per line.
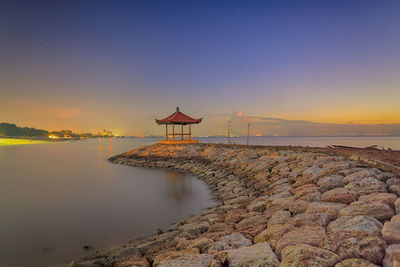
[392, 142]
[55, 198]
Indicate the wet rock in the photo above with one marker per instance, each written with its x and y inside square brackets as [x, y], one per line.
[391, 231]
[386, 198]
[366, 186]
[234, 215]
[397, 206]
[279, 217]
[232, 241]
[356, 223]
[332, 209]
[302, 191]
[393, 181]
[355, 244]
[259, 254]
[395, 189]
[279, 204]
[304, 255]
[379, 211]
[330, 182]
[195, 228]
[257, 206]
[338, 195]
[201, 243]
[359, 175]
[311, 235]
[392, 256]
[298, 206]
[310, 219]
[192, 260]
[354, 262]
[273, 234]
[237, 200]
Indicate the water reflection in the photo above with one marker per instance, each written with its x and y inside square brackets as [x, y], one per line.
[179, 185]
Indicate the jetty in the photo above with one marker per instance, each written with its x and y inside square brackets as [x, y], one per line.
[277, 206]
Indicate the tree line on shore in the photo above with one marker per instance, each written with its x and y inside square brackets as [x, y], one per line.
[12, 130]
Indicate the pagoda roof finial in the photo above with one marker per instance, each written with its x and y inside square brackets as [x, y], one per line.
[177, 109]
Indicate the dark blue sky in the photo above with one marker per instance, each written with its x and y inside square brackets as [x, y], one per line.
[118, 64]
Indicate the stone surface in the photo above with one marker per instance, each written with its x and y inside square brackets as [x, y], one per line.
[186, 260]
[259, 254]
[366, 186]
[304, 255]
[298, 194]
[355, 244]
[354, 262]
[391, 232]
[379, 211]
[392, 256]
[231, 241]
[385, 198]
[311, 235]
[338, 195]
[310, 219]
[279, 217]
[330, 182]
[332, 209]
[356, 223]
[397, 206]
[273, 234]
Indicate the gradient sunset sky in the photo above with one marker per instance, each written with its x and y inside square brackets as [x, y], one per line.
[89, 65]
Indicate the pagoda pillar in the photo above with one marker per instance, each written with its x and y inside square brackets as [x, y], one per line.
[182, 133]
[190, 132]
[173, 132]
[166, 132]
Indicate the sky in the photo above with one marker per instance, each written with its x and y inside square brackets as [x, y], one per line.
[88, 65]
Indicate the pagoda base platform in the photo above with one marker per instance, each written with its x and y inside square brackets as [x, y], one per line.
[178, 142]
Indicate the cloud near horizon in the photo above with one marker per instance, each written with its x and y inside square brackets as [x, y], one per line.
[283, 127]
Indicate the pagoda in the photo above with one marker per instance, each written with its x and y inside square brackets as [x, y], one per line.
[178, 118]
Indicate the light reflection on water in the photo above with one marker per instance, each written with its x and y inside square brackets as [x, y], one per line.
[55, 198]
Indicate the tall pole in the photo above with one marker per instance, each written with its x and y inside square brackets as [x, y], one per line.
[248, 133]
[229, 134]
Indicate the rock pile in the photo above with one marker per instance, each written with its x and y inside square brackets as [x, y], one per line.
[276, 208]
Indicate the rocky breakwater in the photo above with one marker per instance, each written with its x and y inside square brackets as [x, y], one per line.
[277, 207]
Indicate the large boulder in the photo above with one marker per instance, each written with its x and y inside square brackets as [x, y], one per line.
[379, 211]
[332, 209]
[386, 198]
[311, 235]
[259, 254]
[232, 241]
[355, 244]
[391, 230]
[366, 186]
[195, 228]
[279, 217]
[354, 262]
[356, 223]
[392, 256]
[186, 260]
[273, 234]
[338, 195]
[330, 182]
[310, 219]
[303, 255]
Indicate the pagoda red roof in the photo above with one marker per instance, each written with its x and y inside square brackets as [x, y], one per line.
[178, 118]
